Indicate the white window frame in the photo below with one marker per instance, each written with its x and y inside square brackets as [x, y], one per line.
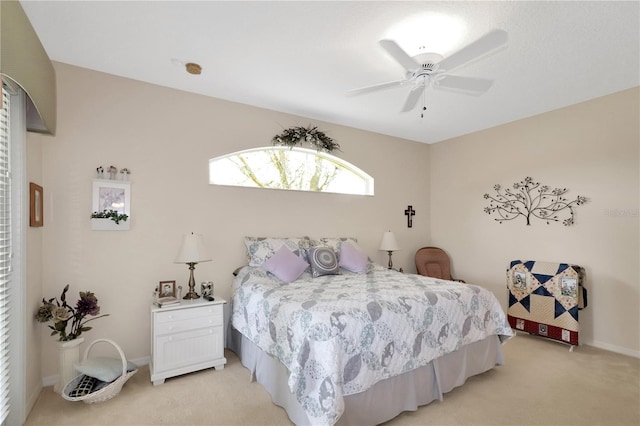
[368, 181]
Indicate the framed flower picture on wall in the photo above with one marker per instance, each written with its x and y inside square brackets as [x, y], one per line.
[111, 205]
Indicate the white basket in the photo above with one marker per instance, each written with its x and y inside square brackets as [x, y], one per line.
[106, 392]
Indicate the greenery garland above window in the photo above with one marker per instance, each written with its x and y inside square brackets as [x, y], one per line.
[297, 135]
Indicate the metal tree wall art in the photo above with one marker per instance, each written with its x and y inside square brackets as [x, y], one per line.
[529, 199]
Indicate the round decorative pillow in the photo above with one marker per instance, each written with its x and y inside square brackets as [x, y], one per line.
[323, 261]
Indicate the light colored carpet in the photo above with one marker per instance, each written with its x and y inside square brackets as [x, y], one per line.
[542, 383]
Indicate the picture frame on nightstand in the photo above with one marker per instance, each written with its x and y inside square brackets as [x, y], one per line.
[166, 289]
[165, 294]
[206, 289]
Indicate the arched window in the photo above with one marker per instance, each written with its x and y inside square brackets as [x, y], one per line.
[281, 167]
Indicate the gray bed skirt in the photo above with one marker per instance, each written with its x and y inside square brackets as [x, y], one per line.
[387, 398]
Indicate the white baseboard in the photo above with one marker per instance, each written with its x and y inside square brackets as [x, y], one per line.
[31, 399]
[596, 344]
[614, 348]
[141, 361]
[50, 380]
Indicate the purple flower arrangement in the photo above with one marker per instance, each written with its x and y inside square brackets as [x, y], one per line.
[62, 314]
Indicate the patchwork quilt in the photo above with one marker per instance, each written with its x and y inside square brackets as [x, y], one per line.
[340, 334]
[545, 298]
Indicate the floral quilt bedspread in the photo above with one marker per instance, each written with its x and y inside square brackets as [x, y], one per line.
[340, 334]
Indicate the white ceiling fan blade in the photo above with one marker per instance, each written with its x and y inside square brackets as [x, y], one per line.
[412, 99]
[470, 85]
[483, 45]
[399, 55]
[375, 87]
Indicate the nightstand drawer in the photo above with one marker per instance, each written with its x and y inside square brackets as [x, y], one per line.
[187, 324]
[213, 311]
[188, 348]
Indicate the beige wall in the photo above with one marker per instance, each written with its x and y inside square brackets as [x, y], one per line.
[166, 137]
[592, 149]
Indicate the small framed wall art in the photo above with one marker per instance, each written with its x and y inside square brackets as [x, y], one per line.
[35, 205]
[114, 199]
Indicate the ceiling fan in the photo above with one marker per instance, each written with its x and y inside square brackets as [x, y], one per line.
[431, 69]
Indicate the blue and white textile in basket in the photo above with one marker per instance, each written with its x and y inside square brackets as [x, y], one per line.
[106, 391]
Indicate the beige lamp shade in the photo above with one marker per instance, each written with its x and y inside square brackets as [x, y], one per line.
[389, 242]
[192, 250]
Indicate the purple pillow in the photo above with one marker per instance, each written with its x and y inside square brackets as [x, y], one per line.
[353, 259]
[285, 265]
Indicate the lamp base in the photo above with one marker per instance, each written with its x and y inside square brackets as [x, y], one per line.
[390, 262]
[191, 294]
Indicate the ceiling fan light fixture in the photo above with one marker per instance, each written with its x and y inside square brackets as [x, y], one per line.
[193, 68]
[428, 60]
[428, 32]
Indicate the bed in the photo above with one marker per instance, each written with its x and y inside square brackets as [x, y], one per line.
[344, 344]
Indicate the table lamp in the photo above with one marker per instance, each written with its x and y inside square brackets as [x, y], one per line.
[192, 252]
[389, 244]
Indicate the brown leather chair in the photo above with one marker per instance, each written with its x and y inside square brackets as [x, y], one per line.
[434, 262]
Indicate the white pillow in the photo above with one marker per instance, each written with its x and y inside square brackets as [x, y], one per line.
[102, 368]
[334, 242]
[260, 249]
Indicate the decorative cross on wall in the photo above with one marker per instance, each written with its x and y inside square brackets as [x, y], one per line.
[409, 212]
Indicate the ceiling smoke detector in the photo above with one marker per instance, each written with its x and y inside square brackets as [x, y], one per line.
[193, 68]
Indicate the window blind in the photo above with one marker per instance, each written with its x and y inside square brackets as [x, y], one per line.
[5, 253]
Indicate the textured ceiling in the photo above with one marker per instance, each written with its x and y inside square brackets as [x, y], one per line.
[302, 57]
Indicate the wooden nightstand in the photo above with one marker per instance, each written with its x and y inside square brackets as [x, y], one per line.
[186, 337]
